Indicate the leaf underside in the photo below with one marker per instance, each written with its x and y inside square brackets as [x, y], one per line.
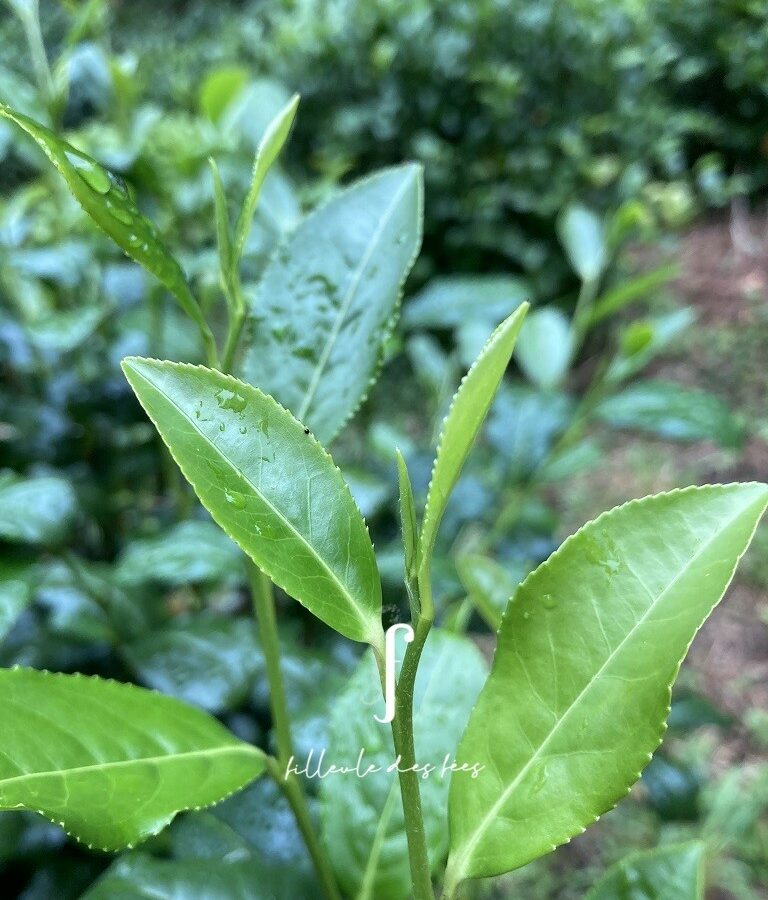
[580, 685]
[111, 763]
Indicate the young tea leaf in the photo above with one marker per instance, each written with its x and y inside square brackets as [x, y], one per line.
[408, 523]
[110, 762]
[104, 197]
[582, 235]
[465, 417]
[327, 300]
[271, 486]
[269, 149]
[580, 685]
[545, 347]
[666, 873]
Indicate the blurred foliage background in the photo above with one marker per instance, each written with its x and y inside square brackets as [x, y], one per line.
[607, 161]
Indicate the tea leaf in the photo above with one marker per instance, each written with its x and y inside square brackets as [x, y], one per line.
[15, 593]
[672, 411]
[137, 876]
[110, 762]
[408, 523]
[545, 346]
[465, 417]
[488, 584]
[208, 661]
[268, 150]
[580, 685]
[666, 873]
[363, 817]
[450, 302]
[104, 197]
[271, 486]
[582, 235]
[327, 300]
[187, 553]
[35, 510]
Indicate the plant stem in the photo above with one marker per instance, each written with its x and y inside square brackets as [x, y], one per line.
[30, 20]
[209, 343]
[402, 733]
[264, 609]
[236, 322]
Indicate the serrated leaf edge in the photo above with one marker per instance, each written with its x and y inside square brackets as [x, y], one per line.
[459, 877]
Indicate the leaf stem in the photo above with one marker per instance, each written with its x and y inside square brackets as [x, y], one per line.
[264, 609]
[402, 733]
[236, 322]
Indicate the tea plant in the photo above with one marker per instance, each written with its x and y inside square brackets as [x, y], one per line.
[491, 770]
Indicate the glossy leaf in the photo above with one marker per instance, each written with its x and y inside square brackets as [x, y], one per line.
[110, 762]
[15, 594]
[35, 510]
[545, 346]
[138, 876]
[672, 411]
[270, 485]
[666, 873]
[326, 303]
[187, 553]
[363, 817]
[453, 301]
[268, 150]
[208, 661]
[580, 685]
[105, 198]
[582, 235]
[488, 585]
[462, 424]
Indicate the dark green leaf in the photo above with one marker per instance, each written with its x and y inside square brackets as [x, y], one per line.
[187, 553]
[35, 510]
[207, 661]
[671, 411]
[666, 873]
[326, 303]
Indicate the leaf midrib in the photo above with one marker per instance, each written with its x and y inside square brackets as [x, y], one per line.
[151, 760]
[309, 396]
[506, 793]
[313, 552]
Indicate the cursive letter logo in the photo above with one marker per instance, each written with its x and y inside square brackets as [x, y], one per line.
[389, 668]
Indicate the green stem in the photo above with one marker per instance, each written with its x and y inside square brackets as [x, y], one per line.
[402, 733]
[264, 609]
[34, 36]
[236, 322]
[209, 343]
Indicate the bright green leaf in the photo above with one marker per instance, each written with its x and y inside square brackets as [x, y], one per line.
[269, 149]
[465, 417]
[35, 510]
[408, 524]
[627, 291]
[672, 411]
[104, 197]
[545, 347]
[219, 88]
[110, 762]
[363, 817]
[223, 229]
[580, 684]
[271, 486]
[582, 235]
[674, 872]
[488, 585]
[327, 300]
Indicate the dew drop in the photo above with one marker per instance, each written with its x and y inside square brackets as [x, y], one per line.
[222, 426]
[236, 500]
[91, 172]
[549, 601]
[243, 429]
[122, 215]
